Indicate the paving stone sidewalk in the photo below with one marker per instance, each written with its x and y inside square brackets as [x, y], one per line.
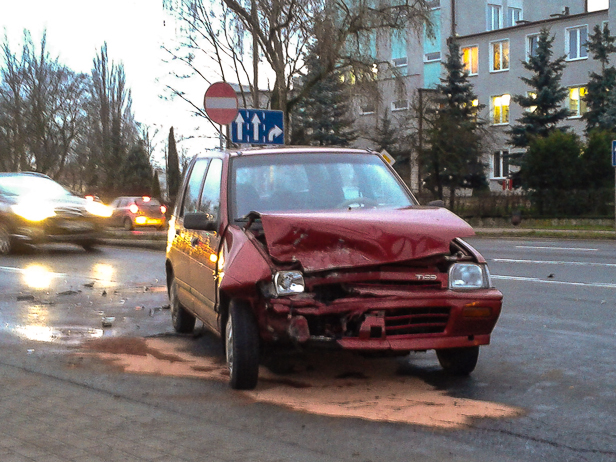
[46, 419]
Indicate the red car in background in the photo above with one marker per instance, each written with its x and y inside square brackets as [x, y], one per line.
[294, 248]
[133, 212]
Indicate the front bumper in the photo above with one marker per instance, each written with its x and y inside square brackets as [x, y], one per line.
[427, 320]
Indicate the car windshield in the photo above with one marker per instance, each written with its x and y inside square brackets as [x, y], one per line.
[313, 182]
[23, 185]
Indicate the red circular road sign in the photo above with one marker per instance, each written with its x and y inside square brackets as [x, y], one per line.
[220, 103]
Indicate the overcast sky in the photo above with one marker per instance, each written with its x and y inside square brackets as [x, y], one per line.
[76, 29]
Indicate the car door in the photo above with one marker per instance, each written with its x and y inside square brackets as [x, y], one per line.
[181, 250]
[205, 246]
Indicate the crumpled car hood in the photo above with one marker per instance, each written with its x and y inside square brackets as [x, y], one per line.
[351, 238]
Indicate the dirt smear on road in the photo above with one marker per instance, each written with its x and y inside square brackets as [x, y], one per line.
[336, 385]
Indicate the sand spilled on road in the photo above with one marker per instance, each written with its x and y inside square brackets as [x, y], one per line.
[337, 385]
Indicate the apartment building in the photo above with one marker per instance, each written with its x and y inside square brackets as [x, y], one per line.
[495, 37]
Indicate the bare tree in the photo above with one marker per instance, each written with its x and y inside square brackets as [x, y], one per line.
[110, 116]
[340, 30]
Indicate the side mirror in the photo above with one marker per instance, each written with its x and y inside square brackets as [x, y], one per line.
[200, 222]
[437, 203]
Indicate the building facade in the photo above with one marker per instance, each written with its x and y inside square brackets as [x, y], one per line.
[495, 37]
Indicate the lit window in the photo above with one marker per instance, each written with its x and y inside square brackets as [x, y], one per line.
[499, 59]
[500, 164]
[500, 109]
[533, 95]
[400, 105]
[575, 39]
[494, 17]
[577, 104]
[532, 42]
[470, 57]
[513, 16]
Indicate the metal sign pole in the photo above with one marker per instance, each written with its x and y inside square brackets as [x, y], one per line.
[614, 165]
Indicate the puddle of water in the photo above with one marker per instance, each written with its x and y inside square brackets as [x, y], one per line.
[65, 335]
[376, 393]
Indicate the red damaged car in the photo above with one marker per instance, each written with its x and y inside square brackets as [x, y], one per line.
[307, 247]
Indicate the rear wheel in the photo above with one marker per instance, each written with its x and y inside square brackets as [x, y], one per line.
[183, 321]
[128, 224]
[5, 240]
[242, 347]
[458, 361]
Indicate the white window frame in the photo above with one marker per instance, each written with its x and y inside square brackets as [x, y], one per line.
[502, 154]
[511, 21]
[366, 105]
[579, 113]
[528, 45]
[432, 60]
[490, 19]
[492, 69]
[470, 71]
[492, 107]
[400, 62]
[579, 44]
[395, 106]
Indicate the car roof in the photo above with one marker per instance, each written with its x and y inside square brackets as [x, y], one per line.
[285, 150]
[32, 174]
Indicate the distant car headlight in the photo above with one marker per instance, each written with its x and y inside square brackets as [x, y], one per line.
[467, 276]
[98, 209]
[33, 211]
[288, 282]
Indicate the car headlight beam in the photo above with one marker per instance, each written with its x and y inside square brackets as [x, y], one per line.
[98, 209]
[469, 276]
[34, 211]
[289, 282]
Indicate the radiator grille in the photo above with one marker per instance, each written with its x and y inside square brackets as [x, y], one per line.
[411, 321]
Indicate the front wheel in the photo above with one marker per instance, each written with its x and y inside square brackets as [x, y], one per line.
[5, 240]
[458, 361]
[242, 347]
[183, 321]
[128, 224]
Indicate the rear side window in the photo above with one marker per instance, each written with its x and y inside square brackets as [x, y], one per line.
[193, 188]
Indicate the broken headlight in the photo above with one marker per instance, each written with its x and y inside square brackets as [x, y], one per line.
[468, 276]
[288, 282]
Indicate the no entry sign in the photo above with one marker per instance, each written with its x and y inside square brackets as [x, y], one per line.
[220, 103]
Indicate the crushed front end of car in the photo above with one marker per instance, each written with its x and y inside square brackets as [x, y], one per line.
[389, 280]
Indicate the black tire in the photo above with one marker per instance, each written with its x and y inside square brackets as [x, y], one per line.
[128, 224]
[458, 361]
[6, 245]
[242, 347]
[89, 246]
[183, 321]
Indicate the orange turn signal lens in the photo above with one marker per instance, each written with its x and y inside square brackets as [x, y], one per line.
[473, 310]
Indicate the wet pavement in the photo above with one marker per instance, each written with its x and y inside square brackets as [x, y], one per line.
[91, 370]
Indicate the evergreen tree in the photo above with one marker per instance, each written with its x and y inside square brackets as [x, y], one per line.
[453, 158]
[551, 170]
[155, 189]
[600, 86]
[174, 176]
[543, 104]
[136, 176]
[598, 172]
[323, 118]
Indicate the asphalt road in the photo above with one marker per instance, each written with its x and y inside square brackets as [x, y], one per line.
[544, 390]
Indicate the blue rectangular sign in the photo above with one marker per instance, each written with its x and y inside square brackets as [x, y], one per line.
[258, 126]
[614, 153]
